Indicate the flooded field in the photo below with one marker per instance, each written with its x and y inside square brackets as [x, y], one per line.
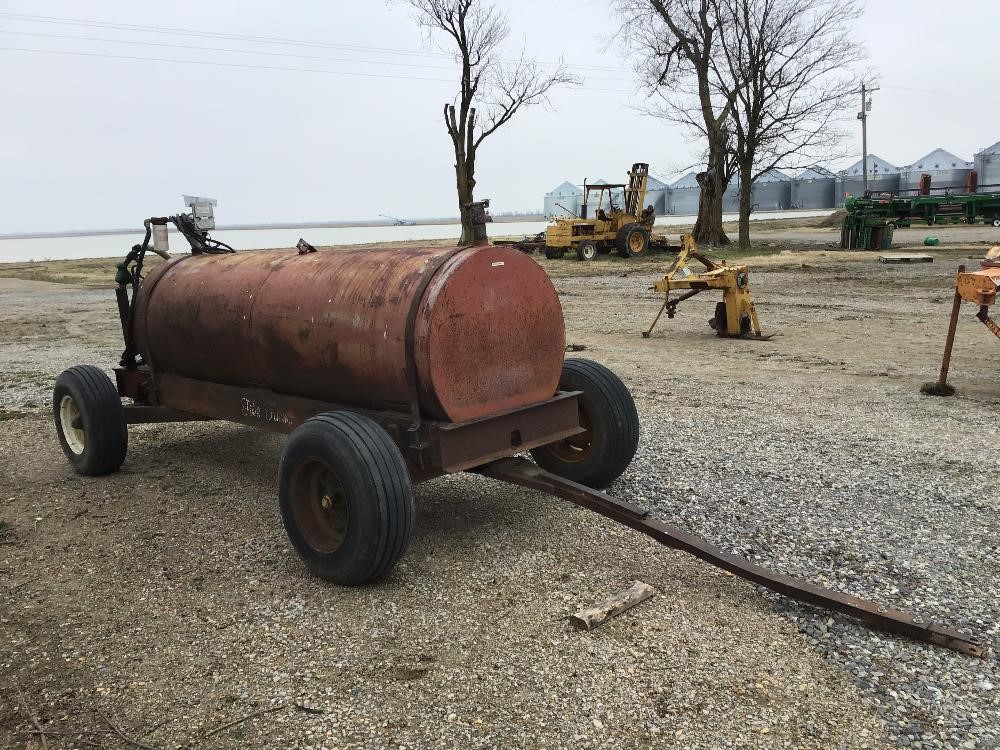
[20, 250]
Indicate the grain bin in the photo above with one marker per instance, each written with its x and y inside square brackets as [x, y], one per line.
[563, 200]
[987, 164]
[882, 177]
[947, 172]
[813, 188]
[771, 191]
[684, 196]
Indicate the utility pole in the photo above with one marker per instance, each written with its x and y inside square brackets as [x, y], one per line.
[866, 106]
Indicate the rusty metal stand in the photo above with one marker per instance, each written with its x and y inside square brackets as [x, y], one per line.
[524, 473]
[941, 387]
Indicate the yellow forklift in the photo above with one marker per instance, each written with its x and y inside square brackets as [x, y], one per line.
[735, 316]
[623, 228]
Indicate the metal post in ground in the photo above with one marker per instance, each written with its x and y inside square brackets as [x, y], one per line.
[941, 387]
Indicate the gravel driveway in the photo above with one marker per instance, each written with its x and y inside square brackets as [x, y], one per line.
[164, 604]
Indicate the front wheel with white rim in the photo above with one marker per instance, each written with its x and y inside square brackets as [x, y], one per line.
[90, 420]
[996, 222]
[586, 250]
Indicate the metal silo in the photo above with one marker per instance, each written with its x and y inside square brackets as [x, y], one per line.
[731, 198]
[988, 166]
[684, 195]
[772, 191]
[656, 196]
[813, 188]
[882, 177]
[947, 171]
[564, 200]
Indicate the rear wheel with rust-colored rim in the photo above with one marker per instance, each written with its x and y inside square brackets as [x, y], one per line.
[345, 496]
[319, 505]
[599, 454]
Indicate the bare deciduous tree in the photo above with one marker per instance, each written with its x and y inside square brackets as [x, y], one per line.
[675, 44]
[789, 67]
[492, 89]
[761, 82]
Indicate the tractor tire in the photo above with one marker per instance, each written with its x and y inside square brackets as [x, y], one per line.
[586, 250]
[996, 222]
[90, 420]
[346, 498]
[719, 322]
[597, 457]
[632, 239]
[554, 253]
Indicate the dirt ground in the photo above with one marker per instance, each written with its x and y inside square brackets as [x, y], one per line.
[162, 606]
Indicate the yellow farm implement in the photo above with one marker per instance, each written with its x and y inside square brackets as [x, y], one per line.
[978, 288]
[735, 316]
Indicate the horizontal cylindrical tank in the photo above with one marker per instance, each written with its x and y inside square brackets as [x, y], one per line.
[465, 333]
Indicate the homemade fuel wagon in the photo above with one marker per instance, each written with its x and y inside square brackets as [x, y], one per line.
[385, 367]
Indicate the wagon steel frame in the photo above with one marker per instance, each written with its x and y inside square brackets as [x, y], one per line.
[488, 446]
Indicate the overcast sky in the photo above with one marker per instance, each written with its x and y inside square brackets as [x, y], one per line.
[89, 141]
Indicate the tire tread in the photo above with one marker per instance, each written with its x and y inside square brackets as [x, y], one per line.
[607, 389]
[103, 415]
[389, 477]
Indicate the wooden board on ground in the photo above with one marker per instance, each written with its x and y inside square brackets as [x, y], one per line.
[590, 617]
[909, 258]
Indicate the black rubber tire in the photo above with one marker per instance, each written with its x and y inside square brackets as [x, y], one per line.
[377, 489]
[610, 411]
[583, 247]
[103, 434]
[623, 238]
[721, 327]
[719, 322]
[554, 253]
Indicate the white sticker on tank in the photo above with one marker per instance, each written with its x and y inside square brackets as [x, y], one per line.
[496, 263]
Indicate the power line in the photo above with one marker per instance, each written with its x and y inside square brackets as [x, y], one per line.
[956, 94]
[224, 49]
[220, 63]
[247, 37]
[254, 52]
[224, 64]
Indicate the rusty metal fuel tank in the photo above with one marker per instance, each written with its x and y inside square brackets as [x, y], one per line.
[456, 333]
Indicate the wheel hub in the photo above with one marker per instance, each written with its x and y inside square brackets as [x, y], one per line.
[319, 505]
[575, 448]
[72, 425]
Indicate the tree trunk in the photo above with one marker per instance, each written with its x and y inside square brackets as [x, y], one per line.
[708, 227]
[713, 182]
[466, 183]
[746, 198]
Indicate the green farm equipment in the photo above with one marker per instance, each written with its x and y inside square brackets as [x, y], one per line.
[871, 219]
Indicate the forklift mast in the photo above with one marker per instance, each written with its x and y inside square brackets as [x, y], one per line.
[635, 193]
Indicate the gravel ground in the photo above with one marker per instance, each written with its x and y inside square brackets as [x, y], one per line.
[167, 593]
[816, 455]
